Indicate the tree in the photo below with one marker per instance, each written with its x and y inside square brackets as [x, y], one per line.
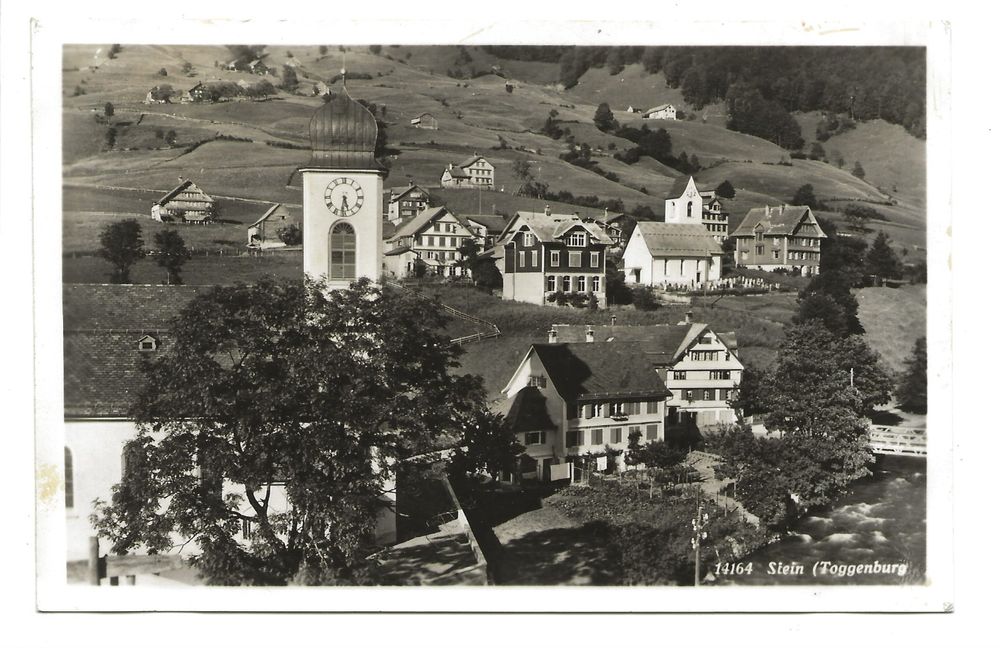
[109, 111]
[822, 307]
[171, 254]
[290, 234]
[858, 171]
[114, 51]
[725, 190]
[804, 196]
[487, 446]
[289, 78]
[187, 68]
[163, 92]
[485, 274]
[375, 49]
[522, 170]
[644, 299]
[171, 137]
[816, 151]
[604, 119]
[162, 72]
[285, 392]
[110, 137]
[912, 389]
[121, 245]
[882, 260]
[323, 49]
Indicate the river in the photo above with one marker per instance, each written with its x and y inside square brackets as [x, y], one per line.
[880, 522]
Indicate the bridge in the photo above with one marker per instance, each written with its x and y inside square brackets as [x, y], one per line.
[898, 441]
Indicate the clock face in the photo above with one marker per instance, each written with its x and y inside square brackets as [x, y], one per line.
[344, 197]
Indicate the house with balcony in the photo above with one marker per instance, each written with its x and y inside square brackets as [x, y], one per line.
[403, 203]
[565, 401]
[475, 172]
[546, 253]
[699, 367]
[785, 237]
[672, 256]
[432, 239]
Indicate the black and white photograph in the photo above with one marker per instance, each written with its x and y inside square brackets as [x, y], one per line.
[488, 315]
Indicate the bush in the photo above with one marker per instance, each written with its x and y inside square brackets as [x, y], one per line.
[644, 299]
[290, 235]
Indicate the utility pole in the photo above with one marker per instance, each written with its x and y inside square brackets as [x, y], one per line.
[698, 525]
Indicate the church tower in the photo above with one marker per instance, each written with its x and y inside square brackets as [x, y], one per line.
[342, 195]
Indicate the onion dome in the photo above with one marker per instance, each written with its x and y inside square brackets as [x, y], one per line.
[342, 133]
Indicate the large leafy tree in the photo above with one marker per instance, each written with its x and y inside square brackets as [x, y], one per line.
[882, 260]
[121, 245]
[604, 119]
[171, 254]
[285, 407]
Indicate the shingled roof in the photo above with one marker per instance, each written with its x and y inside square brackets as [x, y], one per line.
[677, 239]
[549, 227]
[494, 224]
[776, 221]
[663, 344]
[102, 326]
[590, 371]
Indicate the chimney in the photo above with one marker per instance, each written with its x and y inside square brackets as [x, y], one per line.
[553, 336]
[688, 316]
[590, 334]
[548, 210]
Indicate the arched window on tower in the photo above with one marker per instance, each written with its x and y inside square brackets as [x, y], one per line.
[68, 476]
[343, 251]
[689, 208]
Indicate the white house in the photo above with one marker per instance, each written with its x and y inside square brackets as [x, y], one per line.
[475, 172]
[432, 238]
[663, 111]
[685, 203]
[678, 256]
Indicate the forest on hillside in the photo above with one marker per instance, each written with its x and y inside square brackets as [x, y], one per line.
[861, 82]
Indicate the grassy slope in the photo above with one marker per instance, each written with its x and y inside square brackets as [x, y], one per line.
[893, 320]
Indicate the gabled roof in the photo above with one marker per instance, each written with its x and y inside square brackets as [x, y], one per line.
[493, 224]
[528, 413]
[590, 371]
[456, 171]
[396, 193]
[550, 227]
[402, 249]
[183, 186]
[660, 107]
[267, 214]
[680, 186]
[101, 326]
[775, 221]
[418, 222]
[677, 239]
[469, 161]
[663, 344]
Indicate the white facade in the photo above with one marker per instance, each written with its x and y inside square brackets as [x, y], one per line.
[642, 266]
[702, 382]
[685, 208]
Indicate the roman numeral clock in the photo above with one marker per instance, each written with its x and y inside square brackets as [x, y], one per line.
[342, 195]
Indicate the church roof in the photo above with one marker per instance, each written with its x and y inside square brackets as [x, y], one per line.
[342, 133]
[677, 239]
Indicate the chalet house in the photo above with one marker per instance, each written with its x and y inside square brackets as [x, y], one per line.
[664, 111]
[786, 237]
[403, 203]
[263, 233]
[699, 367]
[433, 238]
[685, 203]
[473, 173]
[425, 120]
[569, 400]
[678, 256]
[486, 228]
[200, 92]
[186, 203]
[546, 253]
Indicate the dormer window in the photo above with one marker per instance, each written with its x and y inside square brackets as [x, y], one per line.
[577, 239]
[529, 239]
[148, 343]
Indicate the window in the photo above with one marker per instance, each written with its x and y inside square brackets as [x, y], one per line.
[534, 438]
[759, 250]
[577, 239]
[566, 287]
[718, 375]
[550, 283]
[534, 258]
[710, 394]
[595, 284]
[652, 407]
[581, 284]
[572, 438]
[634, 430]
[616, 435]
[554, 258]
[758, 237]
[68, 476]
[536, 381]
[343, 250]
[575, 259]
[680, 375]
[595, 259]
[617, 409]
[775, 241]
[775, 254]
[597, 437]
[651, 432]
[529, 239]
[520, 259]
[147, 343]
[689, 394]
[436, 228]
[689, 209]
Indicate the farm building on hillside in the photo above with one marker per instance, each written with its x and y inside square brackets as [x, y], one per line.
[158, 95]
[665, 111]
[472, 173]
[403, 203]
[678, 256]
[685, 203]
[546, 254]
[786, 237]
[186, 203]
[263, 233]
[425, 120]
[197, 94]
[568, 400]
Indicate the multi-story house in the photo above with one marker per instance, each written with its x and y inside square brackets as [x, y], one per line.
[665, 111]
[785, 237]
[685, 203]
[186, 203]
[699, 367]
[402, 203]
[486, 228]
[673, 256]
[432, 238]
[570, 400]
[546, 253]
[473, 173]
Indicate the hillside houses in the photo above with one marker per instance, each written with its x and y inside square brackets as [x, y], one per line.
[545, 254]
[424, 120]
[264, 232]
[672, 255]
[186, 203]
[475, 172]
[663, 111]
[403, 203]
[779, 238]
